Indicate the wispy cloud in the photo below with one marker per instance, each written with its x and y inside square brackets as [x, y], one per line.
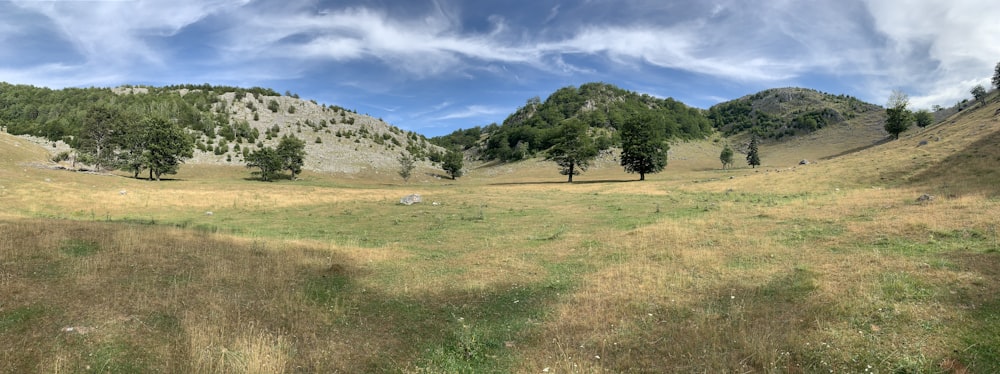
[471, 111]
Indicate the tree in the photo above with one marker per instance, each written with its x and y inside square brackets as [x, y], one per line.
[897, 116]
[923, 118]
[132, 143]
[406, 165]
[453, 163]
[753, 155]
[726, 157]
[101, 126]
[979, 92]
[267, 160]
[644, 149]
[292, 153]
[996, 76]
[167, 145]
[573, 149]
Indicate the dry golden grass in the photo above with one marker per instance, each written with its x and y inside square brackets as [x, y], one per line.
[831, 266]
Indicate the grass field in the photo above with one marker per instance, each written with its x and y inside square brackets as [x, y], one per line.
[829, 267]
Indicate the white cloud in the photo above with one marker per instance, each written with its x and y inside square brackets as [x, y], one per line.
[937, 50]
[472, 111]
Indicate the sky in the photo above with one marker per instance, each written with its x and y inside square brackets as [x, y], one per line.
[434, 66]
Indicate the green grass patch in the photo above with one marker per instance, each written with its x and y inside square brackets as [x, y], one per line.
[899, 286]
[79, 248]
[801, 231]
[18, 318]
[790, 287]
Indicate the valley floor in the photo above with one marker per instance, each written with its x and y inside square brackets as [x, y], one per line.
[833, 267]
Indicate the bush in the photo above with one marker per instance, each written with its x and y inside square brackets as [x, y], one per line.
[62, 156]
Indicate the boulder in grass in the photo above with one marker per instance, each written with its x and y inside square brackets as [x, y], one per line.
[410, 199]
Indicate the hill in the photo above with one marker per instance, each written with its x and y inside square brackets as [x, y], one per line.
[781, 112]
[602, 106]
[226, 123]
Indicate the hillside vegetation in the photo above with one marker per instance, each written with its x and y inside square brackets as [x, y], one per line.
[827, 267]
[533, 127]
[226, 123]
[781, 112]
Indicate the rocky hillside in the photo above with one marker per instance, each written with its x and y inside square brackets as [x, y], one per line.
[787, 112]
[226, 122]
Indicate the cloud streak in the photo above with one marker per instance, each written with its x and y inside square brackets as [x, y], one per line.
[935, 51]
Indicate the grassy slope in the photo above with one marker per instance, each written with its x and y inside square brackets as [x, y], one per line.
[832, 266]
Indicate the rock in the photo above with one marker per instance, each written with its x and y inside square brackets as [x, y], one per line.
[123, 192]
[410, 199]
[804, 162]
[922, 143]
[925, 198]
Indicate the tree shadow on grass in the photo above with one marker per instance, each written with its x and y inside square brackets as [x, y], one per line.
[565, 182]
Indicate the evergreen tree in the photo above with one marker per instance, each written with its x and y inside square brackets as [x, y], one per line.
[996, 76]
[753, 155]
[132, 146]
[574, 149]
[453, 163]
[897, 116]
[726, 157]
[292, 152]
[644, 149]
[102, 125]
[167, 146]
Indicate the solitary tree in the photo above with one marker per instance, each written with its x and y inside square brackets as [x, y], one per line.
[979, 92]
[406, 166]
[644, 149]
[167, 146]
[453, 163]
[753, 155]
[897, 116]
[573, 149]
[292, 152]
[923, 118]
[726, 157]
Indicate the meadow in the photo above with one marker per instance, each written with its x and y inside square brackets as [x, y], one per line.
[829, 267]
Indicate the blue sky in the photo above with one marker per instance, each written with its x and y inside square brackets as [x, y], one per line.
[435, 66]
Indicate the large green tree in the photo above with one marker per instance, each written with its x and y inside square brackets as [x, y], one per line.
[267, 161]
[573, 148]
[644, 147]
[726, 156]
[102, 125]
[132, 154]
[753, 154]
[453, 163]
[167, 145]
[292, 153]
[898, 118]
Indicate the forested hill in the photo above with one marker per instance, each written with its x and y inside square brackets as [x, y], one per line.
[604, 107]
[782, 112]
[225, 123]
